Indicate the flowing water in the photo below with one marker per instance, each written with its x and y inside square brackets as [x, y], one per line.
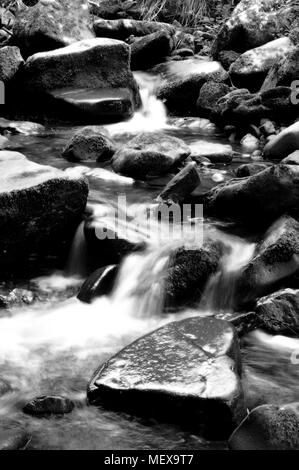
[54, 347]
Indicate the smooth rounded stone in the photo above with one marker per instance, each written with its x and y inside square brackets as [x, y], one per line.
[258, 199]
[90, 144]
[150, 50]
[292, 159]
[250, 69]
[209, 94]
[177, 374]
[188, 273]
[49, 405]
[40, 205]
[150, 155]
[181, 89]
[122, 29]
[284, 72]
[250, 169]
[99, 283]
[267, 127]
[51, 24]
[268, 427]
[5, 387]
[13, 436]
[216, 153]
[275, 261]
[227, 58]
[285, 143]
[240, 32]
[279, 312]
[181, 185]
[10, 62]
[250, 143]
[21, 127]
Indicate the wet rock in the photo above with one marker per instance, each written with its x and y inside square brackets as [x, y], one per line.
[150, 50]
[292, 159]
[250, 143]
[13, 436]
[16, 298]
[40, 205]
[209, 94]
[268, 427]
[182, 185]
[259, 199]
[99, 283]
[250, 69]
[268, 127]
[49, 405]
[177, 374]
[250, 169]
[90, 144]
[227, 58]
[180, 93]
[114, 9]
[284, 72]
[276, 260]
[280, 312]
[216, 153]
[150, 155]
[243, 322]
[20, 127]
[10, 62]
[51, 24]
[183, 52]
[122, 29]
[285, 143]
[240, 32]
[188, 273]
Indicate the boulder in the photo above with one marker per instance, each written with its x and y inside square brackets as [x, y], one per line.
[292, 159]
[283, 72]
[91, 77]
[99, 283]
[209, 94]
[188, 273]
[180, 91]
[240, 33]
[250, 69]
[51, 24]
[279, 312]
[90, 144]
[250, 169]
[216, 153]
[258, 199]
[150, 155]
[283, 144]
[274, 263]
[182, 185]
[122, 29]
[10, 62]
[177, 374]
[13, 436]
[268, 427]
[150, 50]
[40, 205]
[49, 405]
[249, 143]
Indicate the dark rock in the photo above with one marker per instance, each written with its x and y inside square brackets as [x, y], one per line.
[279, 312]
[99, 283]
[13, 436]
[177, 374]
[285, 143]
[188, 273]
[150, 154]
[259, 199]
[114, 9]
[182, 185]
[268, 427]
[51, 24]
[10, 62]
[183, 52]
[227, 58]
[243, 322]
[292, 159]
[41, 206]
[276, 260]
[49, 405]
[284, 72]
[123, 29]
[90, 144]
[250, 69]
[209, 94]
[150, 50]
[250, 169]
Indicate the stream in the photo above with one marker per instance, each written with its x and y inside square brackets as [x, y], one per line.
[54, 347]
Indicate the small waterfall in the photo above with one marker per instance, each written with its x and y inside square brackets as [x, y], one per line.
[76, 265]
